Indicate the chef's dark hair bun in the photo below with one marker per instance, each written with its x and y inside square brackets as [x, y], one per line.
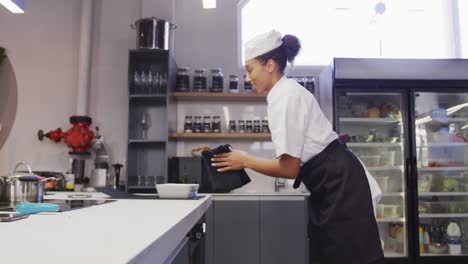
[284, 53]
[291, 45]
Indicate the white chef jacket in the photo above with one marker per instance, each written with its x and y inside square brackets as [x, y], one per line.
[299, 128]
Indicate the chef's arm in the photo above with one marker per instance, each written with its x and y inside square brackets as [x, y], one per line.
[285, 167]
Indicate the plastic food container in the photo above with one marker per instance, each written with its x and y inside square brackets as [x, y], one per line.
[391, 211]
[371, 160]
[443, 207]
[177, 190]
[382, 181]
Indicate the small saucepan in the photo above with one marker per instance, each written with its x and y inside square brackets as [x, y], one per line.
[22, 186]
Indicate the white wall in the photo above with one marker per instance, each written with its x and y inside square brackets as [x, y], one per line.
[43, 48]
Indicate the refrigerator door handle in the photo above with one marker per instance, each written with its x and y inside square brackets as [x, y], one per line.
[408, 172]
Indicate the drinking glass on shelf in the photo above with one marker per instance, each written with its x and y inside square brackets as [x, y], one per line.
[136, 82]
[150, 180]
[163, 83]
[141, 180]
[144, 83]
[149, 88]
[144, 123]
[155, 87]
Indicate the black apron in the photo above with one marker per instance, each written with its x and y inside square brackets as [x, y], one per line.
[342, 225]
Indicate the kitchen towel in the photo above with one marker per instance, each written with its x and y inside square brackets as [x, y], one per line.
[214, 181]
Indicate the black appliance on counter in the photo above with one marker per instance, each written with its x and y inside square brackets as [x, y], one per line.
[199, 170]
[186, 170]
[407, 120]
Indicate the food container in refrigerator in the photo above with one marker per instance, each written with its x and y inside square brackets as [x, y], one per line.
[371, 160]
[177, 190]
[448, 207]
[382, 181]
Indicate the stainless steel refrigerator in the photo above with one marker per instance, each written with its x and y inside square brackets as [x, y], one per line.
[407, 120]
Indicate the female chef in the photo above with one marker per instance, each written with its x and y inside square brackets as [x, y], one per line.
[342, 226]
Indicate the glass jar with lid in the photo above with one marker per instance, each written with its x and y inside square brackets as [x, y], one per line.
[241, 124]
[197, 126]
[248, 126]
[233, 83]
[265, 128]
[216, 124]
[183, 79]
[232, 126]
[310, 84]
[256, 126]
[206, 124]
[188, 125]
[217, 80]
[200, 80]
[300, 80]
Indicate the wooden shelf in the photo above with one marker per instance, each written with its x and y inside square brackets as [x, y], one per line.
[205, 96]
[149, 141]
[247, 136]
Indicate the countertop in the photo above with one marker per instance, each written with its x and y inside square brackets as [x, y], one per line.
[125, 231]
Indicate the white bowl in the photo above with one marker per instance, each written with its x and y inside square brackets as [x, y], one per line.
[177, 190]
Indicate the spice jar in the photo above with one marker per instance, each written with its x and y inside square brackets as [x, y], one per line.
[265, 128]
[206, 124]
[183, 79]
[248, 126]
[256, 126]
[241, 126]
[247, 86]
[216, 124]
[200, 80]
[233, 84]
[188, 125]
[197, 126]
[310, 84]
[232, 126]
[217, 80]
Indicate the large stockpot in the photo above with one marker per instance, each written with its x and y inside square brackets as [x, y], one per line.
[20, 186]
[153, 33]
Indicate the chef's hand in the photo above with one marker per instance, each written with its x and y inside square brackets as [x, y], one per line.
[234, 160]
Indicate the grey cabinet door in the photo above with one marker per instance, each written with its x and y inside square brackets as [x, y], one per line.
[235, 231]
[183, 256]
[283, 230]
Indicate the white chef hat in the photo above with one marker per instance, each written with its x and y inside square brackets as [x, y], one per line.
[262, 44]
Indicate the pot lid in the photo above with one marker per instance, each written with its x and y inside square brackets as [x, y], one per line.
[16, 173]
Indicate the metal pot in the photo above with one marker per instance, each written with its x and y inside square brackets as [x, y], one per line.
[153, 33]
[20, 186]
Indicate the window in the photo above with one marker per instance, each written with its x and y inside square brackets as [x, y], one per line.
[463, 22]
[358, 28]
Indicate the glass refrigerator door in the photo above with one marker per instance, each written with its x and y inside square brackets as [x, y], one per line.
[373, 122]
[441, 130]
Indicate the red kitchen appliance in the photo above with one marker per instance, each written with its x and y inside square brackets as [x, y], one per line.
[78, 137]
